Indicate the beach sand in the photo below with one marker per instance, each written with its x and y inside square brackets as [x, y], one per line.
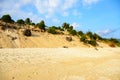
[60, 64]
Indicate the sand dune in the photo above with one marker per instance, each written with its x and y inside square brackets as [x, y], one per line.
[39, 40]
[60, 64]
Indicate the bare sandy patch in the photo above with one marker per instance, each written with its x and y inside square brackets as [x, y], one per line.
[60, 64]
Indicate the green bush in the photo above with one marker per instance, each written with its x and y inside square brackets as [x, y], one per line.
[92, 42]
[89, 34]
[83, 39]
[80, 33]
[52, 30]
[7, 18]
[20, 21]
[73, 32]
[114, 40]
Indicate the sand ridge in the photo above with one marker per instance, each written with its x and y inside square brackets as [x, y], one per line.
[39, 40]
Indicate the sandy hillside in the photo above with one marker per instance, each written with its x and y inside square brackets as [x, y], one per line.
[38, 40]
[60, 64]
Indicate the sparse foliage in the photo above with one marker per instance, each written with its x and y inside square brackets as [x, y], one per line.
[52, 30]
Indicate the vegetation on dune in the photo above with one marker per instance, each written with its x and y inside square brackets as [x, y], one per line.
[87, 38]
[80, 33]
[20, 21]
[41, 25]
[92, 42]
[52, 30]
[7, 18]
[83, 38]
[28, 21]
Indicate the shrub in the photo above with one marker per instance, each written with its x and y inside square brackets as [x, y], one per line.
[73, 32]
[89, 34]
[80, 33]
[27, 32]
[52, 30]
[92, 42]
[83, 39]
[41, 25]
[114, 40]
[20, 21]
[7, 18]
[118, 44]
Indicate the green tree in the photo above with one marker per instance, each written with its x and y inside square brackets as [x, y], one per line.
[20, 21]
[52, 30]
[7, 18]
[28, 21]
[33, 24]
[80, 33]
[96, 37]
[41, 25]
[83, 39]
[89, 34]
[71, 28]
[65, 26]
[73, 32]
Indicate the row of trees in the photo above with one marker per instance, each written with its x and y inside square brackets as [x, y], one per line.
[88, 37]
[7, 18]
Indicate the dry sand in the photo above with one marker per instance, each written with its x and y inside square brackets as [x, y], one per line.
[39, 40]
[60, 64]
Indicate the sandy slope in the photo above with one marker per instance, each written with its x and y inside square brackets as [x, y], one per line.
[38, 40]
[60, 64]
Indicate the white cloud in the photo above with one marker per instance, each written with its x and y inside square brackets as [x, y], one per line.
[46, 9]
[89, 2]
[75, 25]
[104, 32]
[50, 7]
[68, 4]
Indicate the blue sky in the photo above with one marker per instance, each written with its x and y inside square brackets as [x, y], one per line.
[100, 16]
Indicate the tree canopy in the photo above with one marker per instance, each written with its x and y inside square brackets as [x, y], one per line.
[28, 21]
[7, 18]
[41, 25]
[65, 25]
[20, 21]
